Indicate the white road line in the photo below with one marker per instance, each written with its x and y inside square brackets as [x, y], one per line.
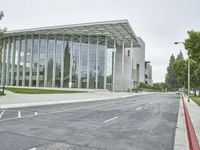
[57, 112]
[111, 119]
[2, 113]
[139, 108]
[33, 149]
[19, 114]
[35, 113]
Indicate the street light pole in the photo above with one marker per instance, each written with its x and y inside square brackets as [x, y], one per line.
[188, 73]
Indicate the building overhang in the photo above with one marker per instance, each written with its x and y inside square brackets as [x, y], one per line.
[119, 30]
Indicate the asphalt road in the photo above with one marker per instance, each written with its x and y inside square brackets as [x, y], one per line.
[146, 122]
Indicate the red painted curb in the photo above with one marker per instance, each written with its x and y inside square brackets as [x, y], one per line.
[192, 138]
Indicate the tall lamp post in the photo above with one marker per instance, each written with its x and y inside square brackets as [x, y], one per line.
[188, 73]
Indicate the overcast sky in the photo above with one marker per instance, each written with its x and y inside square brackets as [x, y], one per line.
[158, 22]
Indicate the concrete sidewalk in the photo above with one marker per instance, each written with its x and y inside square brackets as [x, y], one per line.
[194, 111]
[181, 139]
[12, 100]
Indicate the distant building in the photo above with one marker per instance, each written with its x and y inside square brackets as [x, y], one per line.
[101, 55]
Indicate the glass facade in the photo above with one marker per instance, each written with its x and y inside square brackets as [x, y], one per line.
[101, 62]
[59, 49]
[35, 59]
[84, 54]
[77, 59]
[42, 60]
[67, 60]
[92, 62]
[28, 59]
[51, 43]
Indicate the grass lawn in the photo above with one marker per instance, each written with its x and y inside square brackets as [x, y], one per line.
[1, 93]
[196, 99]
[40, 91]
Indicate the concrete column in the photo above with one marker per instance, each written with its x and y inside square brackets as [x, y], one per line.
[8, 63]
[105, 63]
[114, 66]
[13, 61]
[62, 63]
[54, 62]
[123, 49]
[31, 63]
[97, 62]
[3, 62]
[79, 63]
[46, 61]
[71, 63]
[131, 53]
[24, 63]
[88, 63]
[38, 63]
[18, 61]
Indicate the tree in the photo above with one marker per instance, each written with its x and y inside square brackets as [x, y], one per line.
[170, 78]
[180, 69]
[192, 45]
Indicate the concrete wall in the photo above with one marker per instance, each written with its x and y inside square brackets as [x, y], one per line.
[133, 57]
[118, 70]
[139, 58]
[126, 83]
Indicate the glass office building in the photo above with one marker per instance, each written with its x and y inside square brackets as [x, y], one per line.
[72, 56]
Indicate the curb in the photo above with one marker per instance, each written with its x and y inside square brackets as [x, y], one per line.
[192, 138]
[6, 106]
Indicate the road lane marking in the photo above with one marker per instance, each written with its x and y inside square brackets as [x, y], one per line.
[138, 108]
[19, 114]
[35, 113]
[63, 111]
[111, 119]
[33, 148]
[2, 113]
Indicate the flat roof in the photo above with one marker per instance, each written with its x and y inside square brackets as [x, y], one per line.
[118, 29]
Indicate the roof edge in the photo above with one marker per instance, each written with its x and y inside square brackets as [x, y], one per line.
[69, 26]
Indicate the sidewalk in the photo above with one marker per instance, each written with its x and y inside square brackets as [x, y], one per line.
[194, 111]
[12, 100]
[181, 139]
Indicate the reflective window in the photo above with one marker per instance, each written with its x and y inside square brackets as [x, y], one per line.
[84, 54]
[35, 60]
[21, 63]
[101, 62]
[59, 49]
[11, 58]
[92, 64]
[42, 60]
[50, 60]
[109, 63]
[16, 52]
[5, 59]
[28, 60]
[75, 61]
[67, 50]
